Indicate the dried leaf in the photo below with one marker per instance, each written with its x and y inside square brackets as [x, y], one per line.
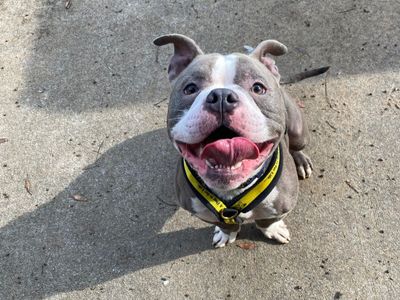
[300, 103]
[27, 185]
[246, 245]
[78, 197]
[3, 140]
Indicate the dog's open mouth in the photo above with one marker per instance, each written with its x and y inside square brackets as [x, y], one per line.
[225, 152]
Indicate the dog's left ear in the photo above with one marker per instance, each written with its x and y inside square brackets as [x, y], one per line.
[185, 50]
[262, 51]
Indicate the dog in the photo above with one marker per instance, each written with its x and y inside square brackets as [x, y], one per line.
[240, 135]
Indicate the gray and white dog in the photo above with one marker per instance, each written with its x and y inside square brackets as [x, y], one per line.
[241, 137]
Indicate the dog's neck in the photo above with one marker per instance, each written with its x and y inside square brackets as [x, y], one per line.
[260, 172]
[229, 195]
[253, 178]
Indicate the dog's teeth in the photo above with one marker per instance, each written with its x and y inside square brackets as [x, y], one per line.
[209, 164]
[213, 165]
[236, 166]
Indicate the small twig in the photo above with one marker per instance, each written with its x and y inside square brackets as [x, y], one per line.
[346, 11]
[195, 11]
[326, 94]
[326, 87]
[326, 91]
[392, 89]
[166, 203]
[128, 187]
[330, 125]
[94, 165]
[27, 185]
[159, 102]
[157, 54]
[351, 186]
[98, 149]
[43, 266]
[68, 4]
[90, 167]
[78, 197]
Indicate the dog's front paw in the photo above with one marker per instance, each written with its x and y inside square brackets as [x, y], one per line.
[221, 238]
[303, 164]
[277, 231]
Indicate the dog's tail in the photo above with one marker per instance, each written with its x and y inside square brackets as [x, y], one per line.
[303, 75]
[297, 77]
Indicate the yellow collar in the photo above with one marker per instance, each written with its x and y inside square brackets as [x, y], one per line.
[228, 211]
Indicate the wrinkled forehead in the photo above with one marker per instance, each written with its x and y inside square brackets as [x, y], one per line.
[225, 70]
[248, 68]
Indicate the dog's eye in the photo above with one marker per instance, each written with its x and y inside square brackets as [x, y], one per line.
[190, 89]
[258, 89]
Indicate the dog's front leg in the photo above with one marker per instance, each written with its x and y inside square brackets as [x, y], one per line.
[274, 229]
[298, 137]
[303, 163]
[225, 234]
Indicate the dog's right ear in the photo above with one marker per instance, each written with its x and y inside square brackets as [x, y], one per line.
[185, 50]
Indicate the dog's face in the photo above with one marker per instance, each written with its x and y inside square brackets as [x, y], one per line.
[226, 112]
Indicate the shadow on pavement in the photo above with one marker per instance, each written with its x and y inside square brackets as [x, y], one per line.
[71, 245]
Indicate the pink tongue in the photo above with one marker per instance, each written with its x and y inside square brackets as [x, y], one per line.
[228, 152]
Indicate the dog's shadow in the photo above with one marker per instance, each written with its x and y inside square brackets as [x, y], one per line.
[111, 228]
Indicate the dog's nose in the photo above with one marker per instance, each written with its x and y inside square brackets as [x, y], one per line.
[222, 100]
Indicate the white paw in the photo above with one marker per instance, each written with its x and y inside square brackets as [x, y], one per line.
[220, 238]
[303, 163]
[277, 231]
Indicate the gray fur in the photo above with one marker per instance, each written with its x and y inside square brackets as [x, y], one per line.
[198, 72]
[285, 119]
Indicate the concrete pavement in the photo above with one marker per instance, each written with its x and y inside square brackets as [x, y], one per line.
[86, 168]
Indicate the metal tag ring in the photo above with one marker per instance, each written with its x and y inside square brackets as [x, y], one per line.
[229, 213]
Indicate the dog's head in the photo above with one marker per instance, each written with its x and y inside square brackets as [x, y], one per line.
[226, 112]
